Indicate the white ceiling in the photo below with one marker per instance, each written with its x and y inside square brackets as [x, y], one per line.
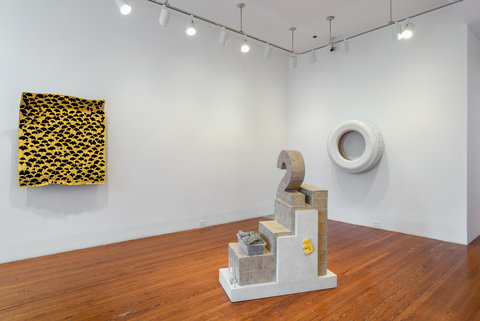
[271, 19]
[470, 12]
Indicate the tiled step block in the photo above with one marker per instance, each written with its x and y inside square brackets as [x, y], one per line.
[270, 230]
[285, 213]
[314, 196]
[322, 222]
[251, 269]
[292, 198]
[322, 255]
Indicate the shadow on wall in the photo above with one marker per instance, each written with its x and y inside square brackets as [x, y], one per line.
[355, 188]
[52, 200]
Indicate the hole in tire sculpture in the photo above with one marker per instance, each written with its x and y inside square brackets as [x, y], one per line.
[342, 144]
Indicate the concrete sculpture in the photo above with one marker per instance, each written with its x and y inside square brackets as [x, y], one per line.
[295, 257]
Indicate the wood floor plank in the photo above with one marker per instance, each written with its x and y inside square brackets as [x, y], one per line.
[381, 276]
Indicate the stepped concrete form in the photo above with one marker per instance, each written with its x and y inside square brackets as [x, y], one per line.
[296, 272]
[295, 256]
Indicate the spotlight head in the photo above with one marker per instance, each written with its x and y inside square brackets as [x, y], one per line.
[126, 9]
[222, 40]
[164, 16]
[398, 29]
[346, 45]
[406, 32]
[245, 47]
[190, 31]
[332, 49]
[124, 6]
[293, 60]
[268, 51]
[313, 56]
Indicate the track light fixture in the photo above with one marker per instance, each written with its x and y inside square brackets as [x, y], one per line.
[165, 14]
[395, 30]
[399, 30]
[313, 56]
[346, 45]
[124, 6]
[293, 60]
[190, 31]
[223, 37]
[245, 47]
[406, 32]
[268, 51]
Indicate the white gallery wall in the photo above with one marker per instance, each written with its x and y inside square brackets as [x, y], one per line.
[415, 91]
[193, 129]
[473, 219]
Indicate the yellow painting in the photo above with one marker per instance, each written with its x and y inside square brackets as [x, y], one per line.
[61, 140]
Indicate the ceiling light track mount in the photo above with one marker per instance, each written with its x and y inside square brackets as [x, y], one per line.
[331, 43]
[293, 56]
[391, 22]
[292, 29]
[241, 6]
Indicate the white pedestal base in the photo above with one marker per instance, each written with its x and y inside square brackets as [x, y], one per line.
[296, 271]
[264, 290]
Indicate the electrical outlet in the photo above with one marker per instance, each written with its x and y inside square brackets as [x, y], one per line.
[376, 224]
[202, 223]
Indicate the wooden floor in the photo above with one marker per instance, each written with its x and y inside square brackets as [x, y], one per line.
[381, 276]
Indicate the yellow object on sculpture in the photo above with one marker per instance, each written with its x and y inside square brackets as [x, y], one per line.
[61, 140]
[308, 246]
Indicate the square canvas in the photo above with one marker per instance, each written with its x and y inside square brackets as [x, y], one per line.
[61, 140]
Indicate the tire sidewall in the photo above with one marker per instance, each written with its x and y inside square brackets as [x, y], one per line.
[373, 146]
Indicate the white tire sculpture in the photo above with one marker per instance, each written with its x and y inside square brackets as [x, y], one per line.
[373, 146]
